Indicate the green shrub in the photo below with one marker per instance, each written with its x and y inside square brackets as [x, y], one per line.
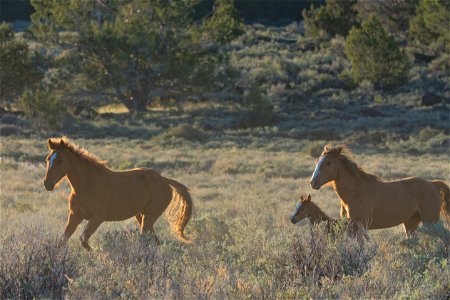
[225, 24]
[336, 17]
[17, 70]
[375, 55]
[429, 27]
[186, 132]
[43, 106]
[260, 109]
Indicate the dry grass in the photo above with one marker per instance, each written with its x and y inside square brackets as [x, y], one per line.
[245, 247]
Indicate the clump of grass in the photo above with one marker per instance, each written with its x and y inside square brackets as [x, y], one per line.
[320, 254]
[314, 149]
[186, 132]
[6, 130]
[36, 268]
[210, 227]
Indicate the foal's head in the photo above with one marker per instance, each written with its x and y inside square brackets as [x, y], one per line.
[57, 163]
[327, 166]
[301, 209]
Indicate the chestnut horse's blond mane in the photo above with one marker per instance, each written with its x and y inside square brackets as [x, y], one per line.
[80, 153]
[345, 156]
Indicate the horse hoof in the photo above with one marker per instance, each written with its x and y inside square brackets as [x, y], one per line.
[85, 244]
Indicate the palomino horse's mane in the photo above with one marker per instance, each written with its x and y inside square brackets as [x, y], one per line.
[80, 153]
[345, 156]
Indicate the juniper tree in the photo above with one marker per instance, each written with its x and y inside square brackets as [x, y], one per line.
[375, 55]
[131, 51]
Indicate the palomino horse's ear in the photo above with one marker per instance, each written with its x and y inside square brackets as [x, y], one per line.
[309, 198]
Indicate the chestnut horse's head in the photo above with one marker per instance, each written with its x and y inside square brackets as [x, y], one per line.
[57, 163]
[300, 211]
[327, 166]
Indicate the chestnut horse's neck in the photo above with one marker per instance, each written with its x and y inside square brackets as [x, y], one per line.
[83, 175]
[316, 215]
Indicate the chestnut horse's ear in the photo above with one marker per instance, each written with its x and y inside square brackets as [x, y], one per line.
[62, 144]
[51, 146]
[340, 148]
[327, 148]
[309, 198]
[301, 198]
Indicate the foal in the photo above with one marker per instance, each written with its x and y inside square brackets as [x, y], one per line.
[307, 209]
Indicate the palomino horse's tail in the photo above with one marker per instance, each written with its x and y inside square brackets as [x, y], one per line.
[445, 193]
[179, 211]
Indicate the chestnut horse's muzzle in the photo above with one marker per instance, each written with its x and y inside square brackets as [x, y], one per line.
[48, 186]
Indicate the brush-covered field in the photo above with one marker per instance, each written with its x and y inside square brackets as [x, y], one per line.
[245, 184]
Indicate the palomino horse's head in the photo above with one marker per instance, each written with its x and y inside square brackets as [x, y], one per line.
[57, 164]
[327, 166]
[299, 213]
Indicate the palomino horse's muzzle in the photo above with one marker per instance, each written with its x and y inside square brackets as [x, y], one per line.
[48, 186]
[314, 184]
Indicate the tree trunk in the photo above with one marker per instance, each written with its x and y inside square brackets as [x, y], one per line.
[137, 103]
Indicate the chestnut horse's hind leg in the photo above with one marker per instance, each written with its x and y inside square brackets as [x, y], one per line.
[411, 225]
[139, 218]
[147, 223]
[72, 223]
[91, 227]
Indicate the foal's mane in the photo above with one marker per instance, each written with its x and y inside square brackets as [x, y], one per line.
[345, 155]
[84, 155]
[311, 204]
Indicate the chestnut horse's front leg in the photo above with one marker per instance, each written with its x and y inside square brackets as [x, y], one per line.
[343, 212]
[91, 227]
[72, 223]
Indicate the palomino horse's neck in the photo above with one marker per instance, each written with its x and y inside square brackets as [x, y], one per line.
[317, 215]
[348, 186]
[82, 175]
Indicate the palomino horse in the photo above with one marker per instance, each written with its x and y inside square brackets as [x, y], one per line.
[100, 194]
[307, 209]
[374, 203]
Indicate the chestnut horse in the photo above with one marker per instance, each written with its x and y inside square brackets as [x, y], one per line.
[100, 194]
[374, 203]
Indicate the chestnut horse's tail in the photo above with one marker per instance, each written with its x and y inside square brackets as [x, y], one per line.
[444, 190]
[179, 211]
